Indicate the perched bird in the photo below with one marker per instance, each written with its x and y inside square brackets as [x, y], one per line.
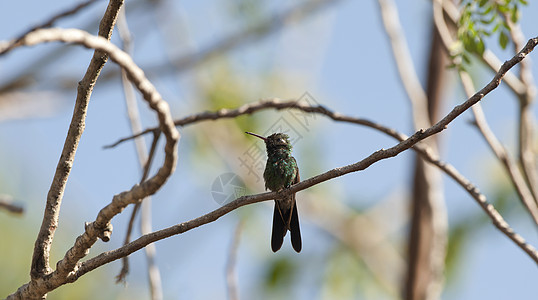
[281, 172]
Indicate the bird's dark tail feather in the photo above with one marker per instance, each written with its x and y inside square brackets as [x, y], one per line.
[295, 230]
[279, 230]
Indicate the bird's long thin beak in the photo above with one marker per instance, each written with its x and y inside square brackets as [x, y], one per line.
[256, 135]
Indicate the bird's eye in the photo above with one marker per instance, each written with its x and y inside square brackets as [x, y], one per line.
[282, 141]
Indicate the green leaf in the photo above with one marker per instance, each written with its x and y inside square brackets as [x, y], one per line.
[482, 3]
[514, 16]
[496, 28]
[524, 2]
[466, 58]
[503, 8]
[503, 39]
[480, 47]
[488, 20]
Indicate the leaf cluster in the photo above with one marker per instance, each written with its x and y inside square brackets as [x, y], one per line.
[481, 19]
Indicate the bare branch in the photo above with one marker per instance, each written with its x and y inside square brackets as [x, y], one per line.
[278, 104]
[68, 265]
[40, 260]
[67, 270]
[406, 143]
[154, 276]
[6, 202]
[526, 119]
[529, 201]
[500, 152]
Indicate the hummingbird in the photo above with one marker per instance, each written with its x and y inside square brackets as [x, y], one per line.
[281, 172]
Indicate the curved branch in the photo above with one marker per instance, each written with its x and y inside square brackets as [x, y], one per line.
[41, 255]
[68, 265]
[279, 104]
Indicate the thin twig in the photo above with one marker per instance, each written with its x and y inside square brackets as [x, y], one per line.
[6, 203]
[68, 265]
[40, 259]
[154, 276]
[231, 276]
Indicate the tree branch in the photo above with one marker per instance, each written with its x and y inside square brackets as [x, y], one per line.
[67, 270]
[40, 259]
[526, 120]
[144, 160]
[6, 202]
[500, 152]
[406, 143]
[279, 104]
[68, 265]
[525, 194]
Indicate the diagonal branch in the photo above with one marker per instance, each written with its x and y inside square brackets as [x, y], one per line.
[500, 152]
[145, 161]
[6, 202]
[40, 259]
[526, 137]
[406, 143]
[525, 194]
[37, 287]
